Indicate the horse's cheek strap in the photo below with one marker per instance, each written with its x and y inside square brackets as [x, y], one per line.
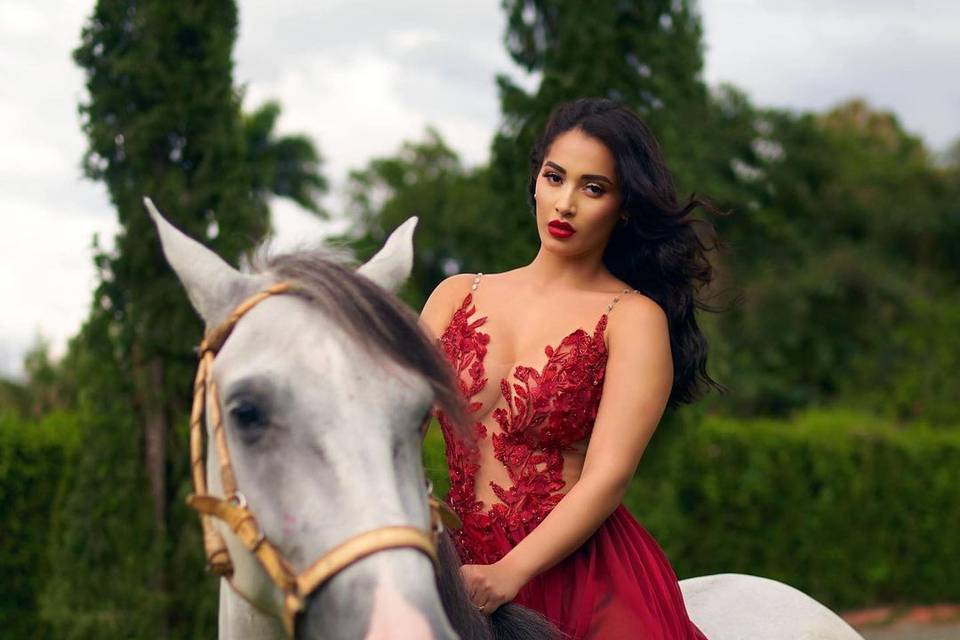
[218, 558]
[245, 527]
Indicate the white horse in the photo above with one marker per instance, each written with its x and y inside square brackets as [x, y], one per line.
[322, 426]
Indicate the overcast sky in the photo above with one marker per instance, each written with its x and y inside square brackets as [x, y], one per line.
[362, 76]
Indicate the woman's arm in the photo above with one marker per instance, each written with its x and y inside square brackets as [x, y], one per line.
[639, 376]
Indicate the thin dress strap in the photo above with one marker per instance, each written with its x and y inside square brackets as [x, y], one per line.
[476, 282]
[616, 298]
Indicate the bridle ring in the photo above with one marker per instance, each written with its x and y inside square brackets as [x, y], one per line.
[237, 499]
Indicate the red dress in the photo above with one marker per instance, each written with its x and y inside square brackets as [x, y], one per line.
[619, 583]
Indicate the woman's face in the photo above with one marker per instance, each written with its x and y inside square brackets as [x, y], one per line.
[577, 195]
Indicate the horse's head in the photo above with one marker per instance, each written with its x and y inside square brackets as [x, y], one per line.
[322, 391]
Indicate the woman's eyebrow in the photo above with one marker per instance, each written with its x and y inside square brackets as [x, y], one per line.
[588, 176]
[598, 178]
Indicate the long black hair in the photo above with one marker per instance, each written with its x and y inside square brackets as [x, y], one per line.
[657, 249]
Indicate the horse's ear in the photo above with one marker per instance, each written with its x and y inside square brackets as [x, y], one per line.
[213, 286]
[391, 266]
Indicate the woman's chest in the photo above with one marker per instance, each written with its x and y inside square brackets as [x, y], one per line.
[551, 397]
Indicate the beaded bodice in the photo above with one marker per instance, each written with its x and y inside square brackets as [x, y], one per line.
[544, 413]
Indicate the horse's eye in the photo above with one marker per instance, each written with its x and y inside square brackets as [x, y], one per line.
[249, 420]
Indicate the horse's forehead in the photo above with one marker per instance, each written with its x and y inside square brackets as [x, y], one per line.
[283, 322]
[288, 338]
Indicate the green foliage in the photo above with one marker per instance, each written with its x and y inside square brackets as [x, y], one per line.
[456, 230]
[288, 166]
[103, 547]
[847, 508]
[32, 460]
[912, 372]
[434, 461]
[14, 398]
[843, 236]
[49, 385]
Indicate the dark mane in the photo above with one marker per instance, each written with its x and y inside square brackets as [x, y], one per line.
[368, 313]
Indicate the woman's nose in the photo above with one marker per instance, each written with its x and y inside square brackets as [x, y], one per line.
[565, 202]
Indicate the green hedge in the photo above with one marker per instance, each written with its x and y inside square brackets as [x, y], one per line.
[32, 459]
[850, 511]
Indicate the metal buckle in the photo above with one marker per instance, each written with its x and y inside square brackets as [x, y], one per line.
[238, 500]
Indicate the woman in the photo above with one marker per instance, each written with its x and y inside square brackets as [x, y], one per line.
[571, 419]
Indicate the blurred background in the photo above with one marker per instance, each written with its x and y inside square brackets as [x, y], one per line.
[828, 130]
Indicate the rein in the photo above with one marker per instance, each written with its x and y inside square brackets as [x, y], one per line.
[234, 512]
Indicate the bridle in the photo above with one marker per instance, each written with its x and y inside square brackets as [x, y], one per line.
[233, 509]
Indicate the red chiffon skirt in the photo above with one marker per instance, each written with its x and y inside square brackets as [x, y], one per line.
[619, 584]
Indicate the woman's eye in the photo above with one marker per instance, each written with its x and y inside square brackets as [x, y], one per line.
[249, 420]
[552, 177]
[595, 189]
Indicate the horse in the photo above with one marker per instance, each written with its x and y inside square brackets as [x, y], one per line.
[313, 385]
[325, 384]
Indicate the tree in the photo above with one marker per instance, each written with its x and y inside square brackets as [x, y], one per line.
[457, 229]
[164, 119]
[841, 244]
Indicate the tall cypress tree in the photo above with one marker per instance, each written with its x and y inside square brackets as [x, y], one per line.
[163, 118]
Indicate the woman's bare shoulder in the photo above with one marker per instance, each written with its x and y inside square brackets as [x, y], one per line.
[637, 317]
[453, 289]
[439, 307]
[453, 285]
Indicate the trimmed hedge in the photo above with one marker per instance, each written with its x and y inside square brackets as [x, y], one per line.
[848, 510]
[32, 459]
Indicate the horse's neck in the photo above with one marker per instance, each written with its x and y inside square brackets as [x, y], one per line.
[240, 621]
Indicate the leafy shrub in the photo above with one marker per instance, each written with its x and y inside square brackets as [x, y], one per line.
[32, 458]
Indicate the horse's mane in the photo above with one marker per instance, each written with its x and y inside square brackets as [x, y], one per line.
[366, 312]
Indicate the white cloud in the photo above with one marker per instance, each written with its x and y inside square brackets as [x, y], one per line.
[900, 56]
[47, 277]
[49, 212]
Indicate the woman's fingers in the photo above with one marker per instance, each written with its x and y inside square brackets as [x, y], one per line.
[478, 587]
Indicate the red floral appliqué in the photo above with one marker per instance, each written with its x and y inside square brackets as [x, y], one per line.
[546, 413]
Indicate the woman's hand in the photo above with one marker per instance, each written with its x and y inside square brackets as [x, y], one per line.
[491, 585]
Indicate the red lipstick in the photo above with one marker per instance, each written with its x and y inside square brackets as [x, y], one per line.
[559, 229]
